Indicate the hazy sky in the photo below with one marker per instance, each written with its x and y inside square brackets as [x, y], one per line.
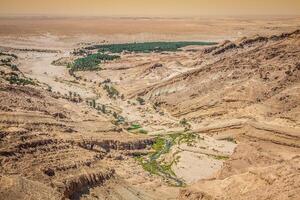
[149, 7]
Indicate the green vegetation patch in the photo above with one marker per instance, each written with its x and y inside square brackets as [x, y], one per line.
[158, 144]
[111, 91]
[20, 81]
[221, 157]
[137, 128]
[162, 145]
[91, 62]
[188, 138]
[143, 131]
[134, 127]
[145, 47]
[141, 100]
[151, 164]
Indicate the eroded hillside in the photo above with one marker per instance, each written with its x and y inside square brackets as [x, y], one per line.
[197, 122]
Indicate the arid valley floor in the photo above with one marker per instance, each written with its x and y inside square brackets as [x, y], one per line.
[217, 121]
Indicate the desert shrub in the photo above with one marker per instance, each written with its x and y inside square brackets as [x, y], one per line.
[221, 157]
[20, 81]
[6, 60]
[118, 119]
[49, 89]
[230, 139]
[134, 127]
[14, 67]
[111, 91]
[183, 122]
[189, 138]
[8, 54]
[143, 131]
[115, 115]
[156, 105]
[79, 52]
[103, 109]
[141, 101]
[94, 103]
[106, 81]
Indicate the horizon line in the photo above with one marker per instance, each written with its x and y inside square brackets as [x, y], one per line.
[145, 16]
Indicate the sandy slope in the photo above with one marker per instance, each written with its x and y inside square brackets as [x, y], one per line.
[252, 94]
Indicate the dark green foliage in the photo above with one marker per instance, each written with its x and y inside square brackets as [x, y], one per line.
[183, 122]
[69, 65]
[79, 52]
[156, 105]
[230, 139]
[141, 101]
[8, 62]
[143, 131]
[115, 115]
[136, 128]
[20, 81]
[94, 103]
[14, 67]
[189, 138]
[111, 91]
[103, 109]
[120, 120]
[91, 62]
[145, 47]
[71, 72]
[106, 81]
